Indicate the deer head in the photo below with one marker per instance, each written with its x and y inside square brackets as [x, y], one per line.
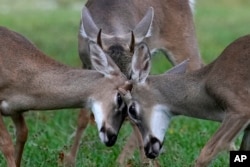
[120, 47]
[146, 107]
[110, 120]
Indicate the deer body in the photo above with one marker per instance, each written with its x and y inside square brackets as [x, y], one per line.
[219, 91]
[29, 80]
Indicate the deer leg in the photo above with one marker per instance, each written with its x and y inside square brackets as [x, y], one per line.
[245, 144]
[21, 137]
[6, 145]
[128, 149]
[82, 122]
[133, 141]
[139, 140]
[222, 139]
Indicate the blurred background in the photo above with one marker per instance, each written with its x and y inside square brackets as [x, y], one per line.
[53, 26]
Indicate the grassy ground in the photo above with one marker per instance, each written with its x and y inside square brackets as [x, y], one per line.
[53, 27]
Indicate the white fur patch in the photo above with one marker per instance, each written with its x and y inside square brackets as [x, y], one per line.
[160, 119]
[150, 30]
[98, 114]
[83, 32]
[103, 137]
[192, 5]
[4, 106]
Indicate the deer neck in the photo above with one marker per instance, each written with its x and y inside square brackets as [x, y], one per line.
[187, 95]
[53, 89]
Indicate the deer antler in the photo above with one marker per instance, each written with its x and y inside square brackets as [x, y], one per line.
[125, 91]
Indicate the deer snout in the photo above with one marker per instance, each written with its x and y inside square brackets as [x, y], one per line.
[153, 148]
[107, 136]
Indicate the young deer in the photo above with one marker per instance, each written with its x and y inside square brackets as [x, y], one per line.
[29, 80]
[164, 25]
[118, 26]
[219, 91]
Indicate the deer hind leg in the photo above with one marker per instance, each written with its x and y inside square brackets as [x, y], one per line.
[245, 144]
[82, 122]
[21, 137]
[6, 145]
[222, 139]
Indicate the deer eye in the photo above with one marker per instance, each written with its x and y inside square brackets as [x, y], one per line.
[132, 111]
[119, 99]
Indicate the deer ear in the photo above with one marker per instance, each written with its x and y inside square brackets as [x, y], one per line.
[141, 63]
[144, 27]
[180, 68]
[102, 62]
[88, 28]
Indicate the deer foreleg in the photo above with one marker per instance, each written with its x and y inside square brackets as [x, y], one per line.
[128, 149]
[21, 137]
[82, 122]
[135, 140]
[144, 160]
[222, 139]
[245, 144]
[6, 145]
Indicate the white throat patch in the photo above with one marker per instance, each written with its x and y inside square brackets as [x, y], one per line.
[98, 114]
[160, 119]
[192, 5]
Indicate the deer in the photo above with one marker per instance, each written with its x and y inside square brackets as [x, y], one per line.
[30, 80]
[219, 91]
[118, 26]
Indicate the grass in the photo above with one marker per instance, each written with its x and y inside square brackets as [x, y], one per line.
[53, 27]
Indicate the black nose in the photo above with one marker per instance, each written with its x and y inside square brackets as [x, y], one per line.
[111, 140]
[152, 148]
[111, 137]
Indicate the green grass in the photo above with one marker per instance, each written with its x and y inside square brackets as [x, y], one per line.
[55, 31]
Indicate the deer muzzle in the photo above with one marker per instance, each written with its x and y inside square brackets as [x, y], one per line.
[153, 148]
[108, 137]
